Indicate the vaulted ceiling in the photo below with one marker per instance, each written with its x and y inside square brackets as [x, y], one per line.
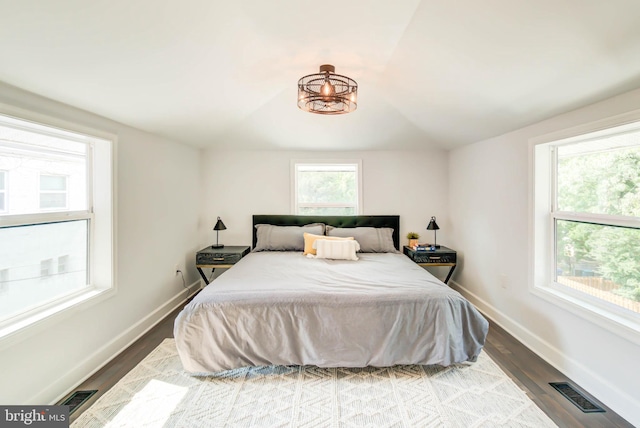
[214, 73]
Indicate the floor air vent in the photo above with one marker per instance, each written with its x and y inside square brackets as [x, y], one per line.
[78, 398]
[576, 397]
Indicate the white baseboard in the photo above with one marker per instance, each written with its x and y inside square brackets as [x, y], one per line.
[620, 402]
[94, 362]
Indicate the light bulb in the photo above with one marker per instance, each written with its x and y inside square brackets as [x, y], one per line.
[327, 89]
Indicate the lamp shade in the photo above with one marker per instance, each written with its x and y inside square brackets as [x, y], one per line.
[219, 225]
[432, 224]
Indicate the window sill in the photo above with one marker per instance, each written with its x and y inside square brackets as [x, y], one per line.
[622, 326]
[17, 331]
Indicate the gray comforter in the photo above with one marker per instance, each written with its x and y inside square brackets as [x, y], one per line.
[277, 308]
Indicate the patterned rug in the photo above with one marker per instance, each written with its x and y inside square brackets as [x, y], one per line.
[158, 393]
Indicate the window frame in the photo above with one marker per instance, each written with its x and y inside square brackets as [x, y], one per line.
[544, 214]
[100, 214]
[294, 182]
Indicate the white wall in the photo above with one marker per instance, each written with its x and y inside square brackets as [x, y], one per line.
[239, 184]
[489, 188]
[158, 194]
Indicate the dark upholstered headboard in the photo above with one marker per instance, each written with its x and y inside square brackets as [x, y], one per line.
[392, 221]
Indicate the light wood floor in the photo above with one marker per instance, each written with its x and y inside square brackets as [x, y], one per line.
[528, 371]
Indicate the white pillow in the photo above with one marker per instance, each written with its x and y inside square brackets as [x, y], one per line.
[336, 250]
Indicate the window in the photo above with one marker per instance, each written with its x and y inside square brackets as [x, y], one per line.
[53, 192]
[63, 263]
[587, 217]
[45, 267]
[327, 187]
[55, 238]
[4, 278]
[3, 191]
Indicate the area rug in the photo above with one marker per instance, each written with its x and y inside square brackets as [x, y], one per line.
[158, 393]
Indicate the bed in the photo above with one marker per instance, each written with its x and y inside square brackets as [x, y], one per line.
[283, 308]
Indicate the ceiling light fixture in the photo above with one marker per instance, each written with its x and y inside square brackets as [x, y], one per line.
[327, 93]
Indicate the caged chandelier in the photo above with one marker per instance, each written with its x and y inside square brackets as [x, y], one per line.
[327, 93]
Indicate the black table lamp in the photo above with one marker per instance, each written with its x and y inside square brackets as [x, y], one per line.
[218, 227]
[433, 226]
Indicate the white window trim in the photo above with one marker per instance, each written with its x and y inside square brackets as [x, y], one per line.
[294, 183]
[541, 231]
[103, 267]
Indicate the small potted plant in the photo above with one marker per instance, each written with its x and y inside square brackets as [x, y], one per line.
[413, 239]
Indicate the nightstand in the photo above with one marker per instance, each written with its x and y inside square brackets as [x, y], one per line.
[441, 256]
[215, 258]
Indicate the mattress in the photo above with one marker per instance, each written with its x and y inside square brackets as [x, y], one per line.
[282, 308]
